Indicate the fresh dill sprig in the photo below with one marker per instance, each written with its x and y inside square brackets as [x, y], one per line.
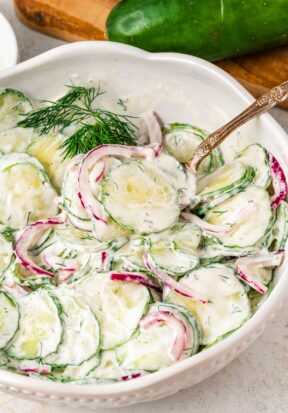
[97, 126]
[8, 234]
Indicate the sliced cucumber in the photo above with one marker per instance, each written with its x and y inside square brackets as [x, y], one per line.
[228, 307]
[28, 279]
[71, 202]
[65, 263]
[181, 141]
[13, 104]
[222, 184]
[40, 329]
[256, 156]
[138, 196]
[118, 305]
[152, 347]
[131, 256]
[108, 368]
[79, 240]
[75, 373]
[174, 250]
[26, 194]
[212, 250]
[15, 140]
[9, 319]
[6, 252]
[248, 230]
[257, 299]
[279, 234]
[113, 232]
[81, 338]
[46, 150]
[176, 173]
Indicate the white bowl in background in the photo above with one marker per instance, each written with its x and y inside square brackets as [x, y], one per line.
[8, 44]
[180, 88]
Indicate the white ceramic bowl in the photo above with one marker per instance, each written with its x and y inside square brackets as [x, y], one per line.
[8, 44]
[180, 88]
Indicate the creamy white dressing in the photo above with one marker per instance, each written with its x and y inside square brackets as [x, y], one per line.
[228, 305]
[91, 283]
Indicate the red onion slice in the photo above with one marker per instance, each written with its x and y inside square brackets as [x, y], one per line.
[179, 327]
[244, 267]
[32, 366]
[153, 125]
[279, 182]
[134, 278]
[26, 240]
[84, 190]
[134, 376]
[172, 284]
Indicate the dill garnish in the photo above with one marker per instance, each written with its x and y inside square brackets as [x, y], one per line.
[96, 126]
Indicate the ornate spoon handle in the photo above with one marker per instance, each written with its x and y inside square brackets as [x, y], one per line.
[261, 105]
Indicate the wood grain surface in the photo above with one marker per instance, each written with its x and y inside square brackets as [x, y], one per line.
[73, 20]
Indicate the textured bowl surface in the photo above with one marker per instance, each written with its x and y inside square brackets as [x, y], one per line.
[180, 88]
[8, 44]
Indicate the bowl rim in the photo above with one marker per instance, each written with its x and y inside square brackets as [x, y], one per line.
[31, 385]
[11, 40]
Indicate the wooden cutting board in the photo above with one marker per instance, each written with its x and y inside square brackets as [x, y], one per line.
[73, 20]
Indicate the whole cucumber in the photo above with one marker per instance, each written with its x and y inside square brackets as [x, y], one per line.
[211, 29]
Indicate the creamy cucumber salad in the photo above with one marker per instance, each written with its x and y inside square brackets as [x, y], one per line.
[117, 259]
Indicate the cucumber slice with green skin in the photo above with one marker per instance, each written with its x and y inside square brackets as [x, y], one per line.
[84, 241]
[222, 184]
[228, 307]
[252, 227]
[81, 335]
[9, 319]
[174, 262]
[257, 157]
[48, 255]
[177, 177]
[77, 215]
[12, 105]
[212, 250]
[26, 194]
[278, 238]
[181, 141]
[131, 256]
[256, 270]
[70, 199]
[138, 196]
[108, 368]
[15, 158]
[25, 278]
[40, 329]
[174, 251]
[167, 334]
[46, 150]
[186, 237]
[6, 252]
[118, 305]
[75, 373]
[15, 140]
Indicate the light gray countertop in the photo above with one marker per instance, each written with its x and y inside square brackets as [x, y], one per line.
[256, 382]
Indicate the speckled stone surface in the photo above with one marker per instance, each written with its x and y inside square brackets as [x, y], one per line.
[256, 382]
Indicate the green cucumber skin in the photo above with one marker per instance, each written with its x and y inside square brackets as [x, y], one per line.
[211, 29]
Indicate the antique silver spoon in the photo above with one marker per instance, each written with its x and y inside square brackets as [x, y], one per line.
[261, 105]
